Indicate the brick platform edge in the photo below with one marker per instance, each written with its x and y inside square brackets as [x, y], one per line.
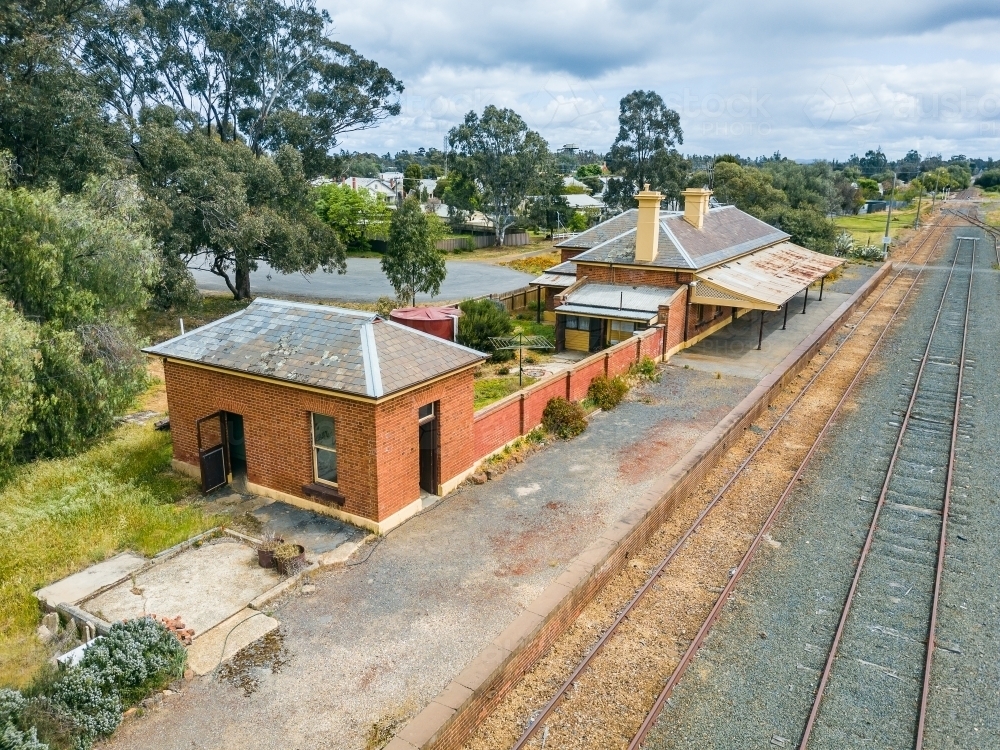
[450, 719]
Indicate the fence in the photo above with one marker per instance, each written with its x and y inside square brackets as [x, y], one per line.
[476, 241]
[497, 424]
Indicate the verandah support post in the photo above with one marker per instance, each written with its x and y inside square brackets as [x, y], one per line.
[805, 300]
[785, 321]
[821, 283]
[538, 304]
[760, 333]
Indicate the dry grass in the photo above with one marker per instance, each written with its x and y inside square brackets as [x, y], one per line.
[536, 264]
[58, 516]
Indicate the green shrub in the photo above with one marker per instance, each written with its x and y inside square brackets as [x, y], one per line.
[135, 657]
[564, 419]
[481, 320]
[11, 738]
[645, 369]
[85, 702]
[606, 393]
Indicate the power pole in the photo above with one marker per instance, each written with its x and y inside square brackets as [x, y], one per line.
[888, 218]
[920, 196]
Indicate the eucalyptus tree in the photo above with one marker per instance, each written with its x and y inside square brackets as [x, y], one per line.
[221, 206]
[644, 151]
[505, 160]
[268, 72]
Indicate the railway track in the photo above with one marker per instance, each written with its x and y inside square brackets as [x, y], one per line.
[770, 470]
[887, 631]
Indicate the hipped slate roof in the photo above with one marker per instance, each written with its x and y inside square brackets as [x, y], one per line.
[727, 233]
[324, 347]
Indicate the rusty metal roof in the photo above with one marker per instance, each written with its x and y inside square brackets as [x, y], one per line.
[562, 275]
[324, 347]
[727, 233]
[764, 280]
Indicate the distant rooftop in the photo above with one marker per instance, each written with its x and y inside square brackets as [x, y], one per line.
[324, 347]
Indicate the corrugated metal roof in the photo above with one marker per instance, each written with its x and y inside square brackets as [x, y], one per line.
[604, 312]
[727, 233]
[764, 280]
[619, 296]
[325, 347]
[554, 279]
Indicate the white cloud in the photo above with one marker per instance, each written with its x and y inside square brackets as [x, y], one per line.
[809, 79]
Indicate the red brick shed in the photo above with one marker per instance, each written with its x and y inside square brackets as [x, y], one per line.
[334, 410]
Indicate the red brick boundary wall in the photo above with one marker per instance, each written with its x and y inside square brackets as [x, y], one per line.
[518, 414]
[453, 715]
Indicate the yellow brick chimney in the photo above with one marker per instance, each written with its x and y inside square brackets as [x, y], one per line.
[647, 233]
[696, 206]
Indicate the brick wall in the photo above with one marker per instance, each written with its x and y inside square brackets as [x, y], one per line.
[608, 274]
[398, 432]
[568, 253]
[497, 424]
[377, 451]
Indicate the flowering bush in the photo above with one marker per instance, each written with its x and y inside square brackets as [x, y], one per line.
[85, 703]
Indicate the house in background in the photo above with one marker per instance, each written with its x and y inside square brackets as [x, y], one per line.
[692, 271]
[332, 410]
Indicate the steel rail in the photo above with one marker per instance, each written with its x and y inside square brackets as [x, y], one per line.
[880, 504]
[546, 711]
[992, 231]
[943, 539]
[695, 644]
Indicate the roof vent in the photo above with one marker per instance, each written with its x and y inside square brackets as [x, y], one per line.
[696, 206]
[647, 234]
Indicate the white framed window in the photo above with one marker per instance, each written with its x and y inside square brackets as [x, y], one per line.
[425, 413]
[324, 438]
[577, 323]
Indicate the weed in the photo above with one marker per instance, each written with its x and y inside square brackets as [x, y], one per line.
[564, 419]
[607, 393]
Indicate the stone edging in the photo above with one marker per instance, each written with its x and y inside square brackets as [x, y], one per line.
[456, 711]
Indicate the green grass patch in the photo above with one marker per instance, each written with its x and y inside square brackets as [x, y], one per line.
[526, 322]
[59, 516]
[489, 390]
[870, 228]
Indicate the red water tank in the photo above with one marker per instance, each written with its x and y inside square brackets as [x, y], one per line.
[437, 321]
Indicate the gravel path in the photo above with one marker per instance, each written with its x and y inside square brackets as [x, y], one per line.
[753, 682]
[376, 642]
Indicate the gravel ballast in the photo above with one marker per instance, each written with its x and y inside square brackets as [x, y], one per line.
[752, 683]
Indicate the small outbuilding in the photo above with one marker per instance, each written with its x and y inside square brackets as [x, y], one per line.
[333, 410]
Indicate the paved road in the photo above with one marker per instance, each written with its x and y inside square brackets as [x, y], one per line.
[364, 281]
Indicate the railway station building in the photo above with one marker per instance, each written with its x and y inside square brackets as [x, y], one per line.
[332, 410]
[692, 271]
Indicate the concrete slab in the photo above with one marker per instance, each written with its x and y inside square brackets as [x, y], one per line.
[79, 586]
[224, 640]
[204, 585]
[319, 534]
[733, 350]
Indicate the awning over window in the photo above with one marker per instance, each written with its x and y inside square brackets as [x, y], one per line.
[764, 280]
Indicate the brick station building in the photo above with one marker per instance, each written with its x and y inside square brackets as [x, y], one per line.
[692, 271]
[332, 410]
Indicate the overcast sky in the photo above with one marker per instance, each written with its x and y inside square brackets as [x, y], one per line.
[813, 80]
